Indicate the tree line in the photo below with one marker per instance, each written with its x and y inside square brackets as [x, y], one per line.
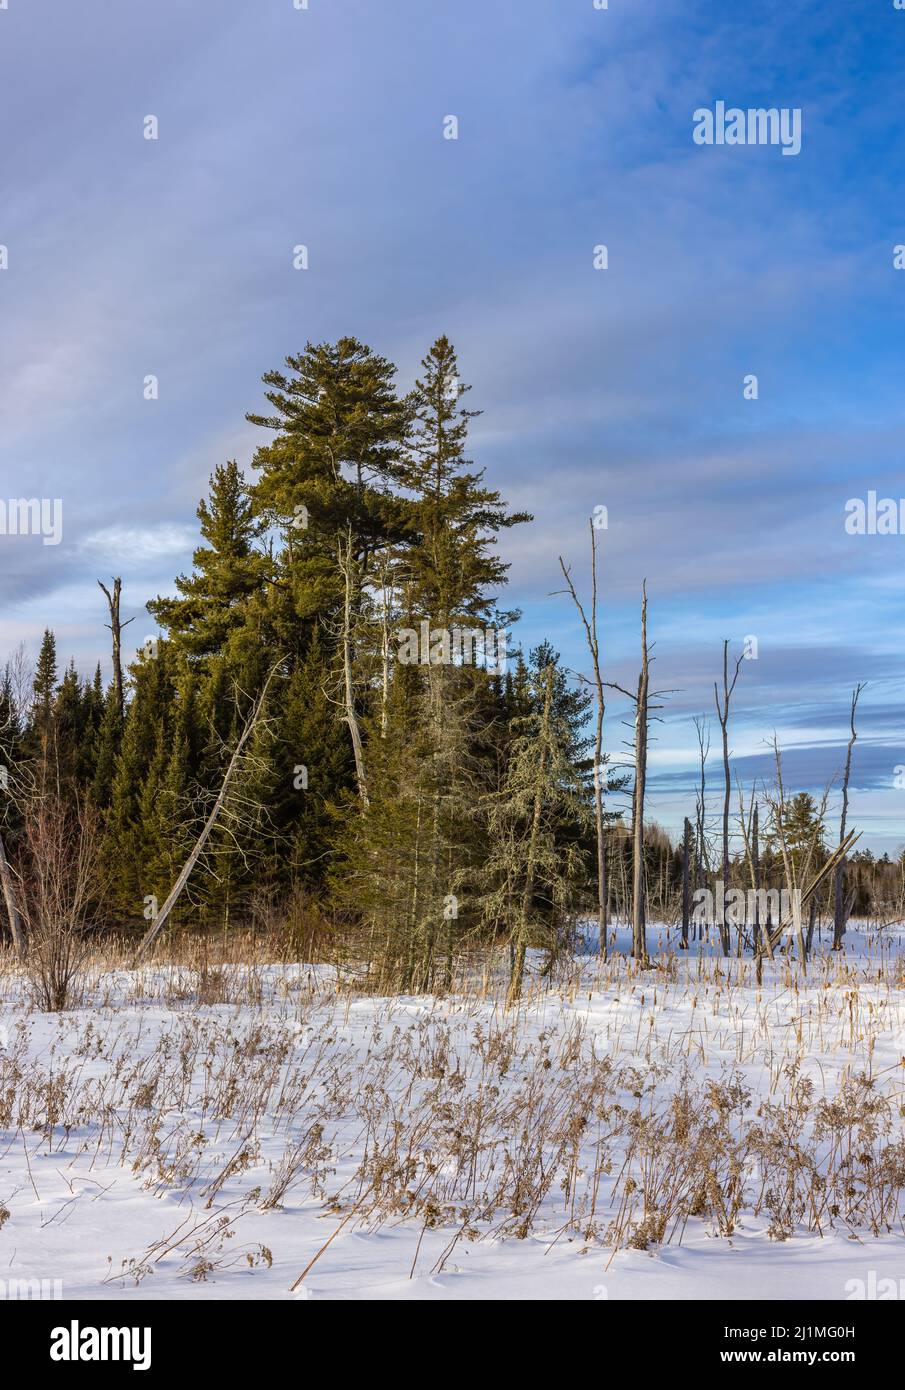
[397, 781]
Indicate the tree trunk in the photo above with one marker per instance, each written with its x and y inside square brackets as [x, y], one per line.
[517, 959]
[722, 711]
[590, 628]
[839, 914]
[639, 926]
[346, 565]
[12, 908]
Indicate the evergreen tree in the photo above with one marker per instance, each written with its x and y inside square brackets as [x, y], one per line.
[451, 563]
[538, 824]
[339, 429]
[41, 739]
[227, 571]
[146, 737]
[312, 767]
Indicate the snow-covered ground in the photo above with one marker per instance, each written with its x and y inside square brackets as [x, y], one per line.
[177, 1136]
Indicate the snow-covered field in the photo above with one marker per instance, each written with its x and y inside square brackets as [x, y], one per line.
[676, 1133]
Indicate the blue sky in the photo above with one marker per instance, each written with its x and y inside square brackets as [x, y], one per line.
[621, 387]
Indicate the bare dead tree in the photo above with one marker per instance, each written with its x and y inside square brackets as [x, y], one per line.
[840, 915]
[643, 707]
[686, 881]
[639, 933]
[116, 627]
[641, 700]
[590, 630]
[250, 725]
[722, 713]
[761, 935]
[702, 728]
[12, 906]
[58, 880]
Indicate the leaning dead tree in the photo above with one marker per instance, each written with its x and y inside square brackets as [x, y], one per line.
[722, 714]
[841, 909]
[116, 627]
[794, 918]
[182, 879]
[590, 630]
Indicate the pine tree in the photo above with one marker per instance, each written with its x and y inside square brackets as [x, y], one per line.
[109, 743]
[451, 563]
[326, 482]
[312, 767]
[426, 747]
[146, 737]
[41, 738]
[803, 828]
[227, 571]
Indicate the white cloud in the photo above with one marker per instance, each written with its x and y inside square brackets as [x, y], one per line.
[137, 545]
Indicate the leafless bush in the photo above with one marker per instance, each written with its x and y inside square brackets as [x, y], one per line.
[58, 877]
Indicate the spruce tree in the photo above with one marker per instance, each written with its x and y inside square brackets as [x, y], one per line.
[41, 738]
[227, 571]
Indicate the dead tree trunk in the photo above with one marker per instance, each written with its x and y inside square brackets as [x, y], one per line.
[12, 907]
[116, 627]
[839, 913]
[517, 959]
[722, 712]
[773, 937]
[590, 629]
[755, 865]
[812, 922]
[639, 924]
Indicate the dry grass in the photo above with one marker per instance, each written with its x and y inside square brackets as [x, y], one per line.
[266, 1085]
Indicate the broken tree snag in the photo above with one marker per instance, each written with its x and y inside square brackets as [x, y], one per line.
[12, 908]
[116, 628]
[840, 916]
[590, 631]
[250, 725]
[722, 714]
[639, 923]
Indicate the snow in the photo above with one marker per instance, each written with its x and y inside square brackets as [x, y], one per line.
[145, 1112]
